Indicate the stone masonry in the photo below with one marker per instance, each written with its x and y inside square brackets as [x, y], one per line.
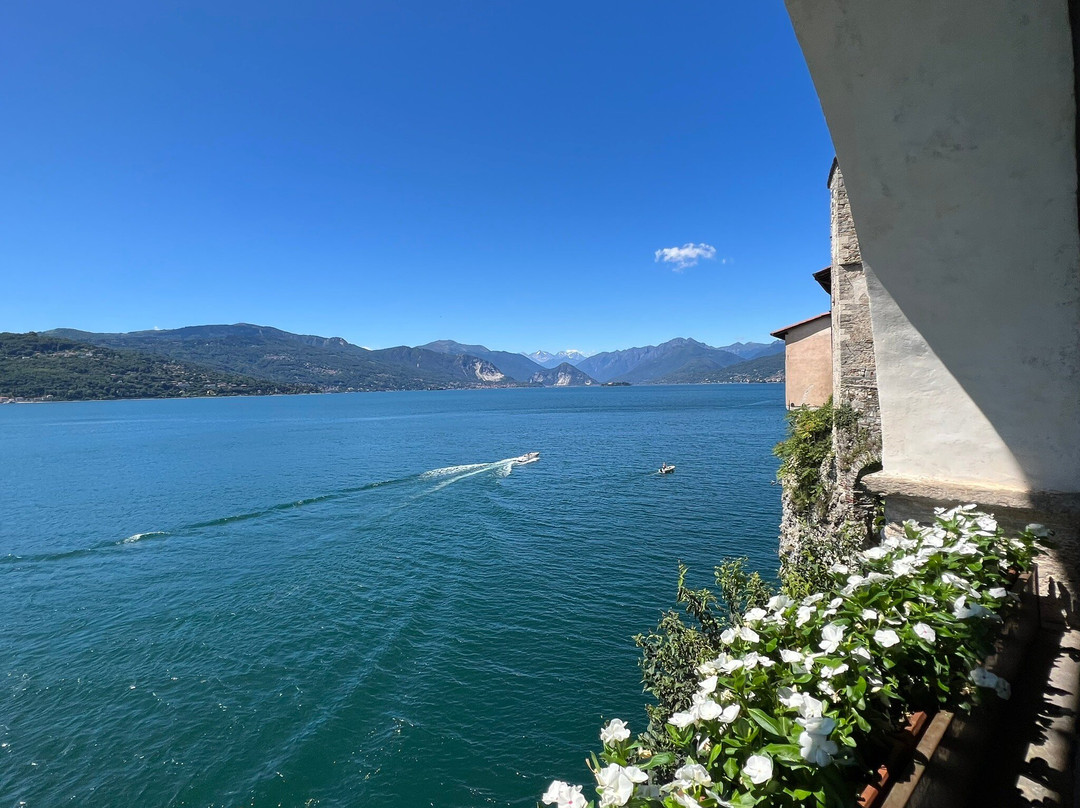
[854, 369]
[844, 521]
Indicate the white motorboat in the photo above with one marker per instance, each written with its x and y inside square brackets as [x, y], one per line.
[528, 457]
[666, 469]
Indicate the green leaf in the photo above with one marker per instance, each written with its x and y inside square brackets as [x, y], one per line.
[765, 721]
[659, 759]
[787, 752]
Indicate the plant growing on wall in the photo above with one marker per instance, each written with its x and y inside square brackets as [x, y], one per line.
[808, 445]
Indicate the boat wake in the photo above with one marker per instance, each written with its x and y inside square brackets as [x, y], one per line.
[445, 476]
[140, 536]
[499, 469]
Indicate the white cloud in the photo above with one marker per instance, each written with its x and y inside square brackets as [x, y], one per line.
[686, 255]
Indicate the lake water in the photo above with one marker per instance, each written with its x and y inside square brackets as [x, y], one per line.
[352, 600]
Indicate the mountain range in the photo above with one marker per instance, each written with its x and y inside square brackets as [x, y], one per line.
[248, 357]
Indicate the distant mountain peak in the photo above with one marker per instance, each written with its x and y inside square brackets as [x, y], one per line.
[451, 347]
[551, 360]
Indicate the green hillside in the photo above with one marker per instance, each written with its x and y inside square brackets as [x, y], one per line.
[328, 363]
[763, 369]
[39, 366]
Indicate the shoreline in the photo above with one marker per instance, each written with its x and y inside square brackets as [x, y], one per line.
[5, 400]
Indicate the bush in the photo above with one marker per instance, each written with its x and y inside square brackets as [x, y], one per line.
[803, 452]
[782, 703]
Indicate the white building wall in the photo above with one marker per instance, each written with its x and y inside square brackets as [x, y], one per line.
[954, 124]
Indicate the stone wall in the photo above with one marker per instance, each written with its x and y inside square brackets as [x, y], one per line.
[854, 368]
[844, 520]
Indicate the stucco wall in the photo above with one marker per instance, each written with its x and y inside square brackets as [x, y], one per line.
[808, 364]
[955, 123]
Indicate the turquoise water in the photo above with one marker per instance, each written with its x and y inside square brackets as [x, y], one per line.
[352, 600]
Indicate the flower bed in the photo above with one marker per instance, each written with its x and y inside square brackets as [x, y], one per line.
[800, 697]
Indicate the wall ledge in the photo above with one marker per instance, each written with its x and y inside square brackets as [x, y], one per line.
[1059, 503]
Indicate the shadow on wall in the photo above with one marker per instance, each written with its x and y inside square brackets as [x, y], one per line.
[955, 126]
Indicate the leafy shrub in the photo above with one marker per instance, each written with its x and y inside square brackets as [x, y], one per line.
[783, 706]
[671, 653]
[803, 452]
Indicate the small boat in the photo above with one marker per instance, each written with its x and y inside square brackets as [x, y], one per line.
[528, 457]
[666, 469]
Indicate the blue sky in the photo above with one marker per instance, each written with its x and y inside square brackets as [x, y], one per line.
[396, 172]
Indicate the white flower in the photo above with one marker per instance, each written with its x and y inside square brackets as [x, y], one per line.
[962, 611]
[754, 616]
[692, 774]
[682, 719]
[789, 656]
[829, 673]
[729, 714]
[925, 632]
[778, 602]
[840, 569]
[902, 566]
[807, 705]
[729, 665]
[818, 725]
[703, 708]
[790, 697]
[997, 592]
[831, 636]
[616, 730]
[810, 600]
[616, 783]
[748, 634]
[862, 653]
[853, 583]
[870, 614]
[817, 749]
[727, 636]
[983, 678]
[1003, 688]
[1037, 530]
[758, 769]
[954, 580]
[707, 709]
[753, 659]
[708, 685]
[886, 638]
[935, 538]
[563, 795]
[803, 615]
[875, 553]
